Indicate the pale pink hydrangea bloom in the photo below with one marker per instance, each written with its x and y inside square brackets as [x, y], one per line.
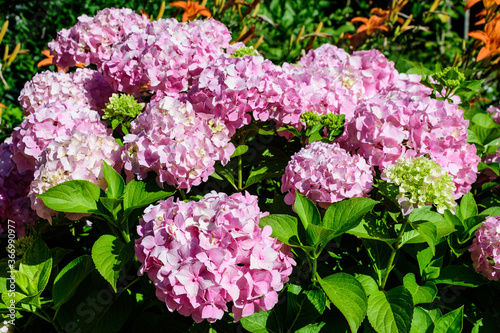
[179, 145]
[202, 255]
[326, 173]
[14, 187]
[167, 55]
[91, 39]
[495, 112]
[79, 155]
[233, 89]
[84, 88]
[485, 248]
[48, 122]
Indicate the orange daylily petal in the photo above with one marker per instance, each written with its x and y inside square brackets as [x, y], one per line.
[2, 106]
[470, 3]
[362, 28]
[205, 12]
[483, 54]
[179, 4]
[44, 62]
[360, 19]
[479, 35]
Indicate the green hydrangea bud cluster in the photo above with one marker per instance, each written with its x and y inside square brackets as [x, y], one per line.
[333, 122]
[243, 51]
[450, 77]
[122, 107]
[421, 182]
[23, 244]
[310, 118]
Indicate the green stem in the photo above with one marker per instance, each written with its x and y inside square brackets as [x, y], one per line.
[240, 173]
[183, 194]
[395, 247]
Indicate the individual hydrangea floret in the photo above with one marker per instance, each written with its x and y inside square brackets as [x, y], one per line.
[203, 255]
[172, 140]
[91, 39]
[421, 182]
[243, 51]
[122, 107]
[485, 248]
[79, 155]
[326, 173]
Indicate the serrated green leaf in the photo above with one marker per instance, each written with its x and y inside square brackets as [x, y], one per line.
[369, 284]
[421, 322]
[264, 172]
[240, 150]
[312, 328]
[392, 311]
[318, 235]
[303, 306]
[225, 173]
[346, 214]
[285, 227]
[306, 210]
[112, 205]
[260, 322]
[428, 231]
[420, 294]
[452, 322]
[36, 264]
[74, 196]
[139, 194]
[110, 255]
[348, 295]
[460, 275]
[468, 207]
[70, 277]
[116, 184]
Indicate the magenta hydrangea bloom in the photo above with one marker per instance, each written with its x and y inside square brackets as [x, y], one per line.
[235, 88]
[79, 155]
[485, 248]
[202, 255]
[166, 55]
[14, 187]
[179, 145]
[85, 88]
[91, 39]
[326, 173]
[48, 122]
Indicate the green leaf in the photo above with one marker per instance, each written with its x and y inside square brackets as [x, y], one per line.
[115, 122]
[116, 184]
[484, 120]
[225, 173]
[112, 205]
[346, 214]
[379, 253]
[392, 311]
[264, 172]
[452, 322]
[307, 210]
[70, 278]
[369, 284]
[468, 207]
[373, 227]
[424, 257]
[420, 294]
[318, 235]
[421, 322]
[139, 194]
[260, 322]
[110, 255]
[303, 306]
[460, 275]
[348, 295]
[285, 227]
[433, 270]
[312, 328]
[36, 264]
[240, 150]
[74, 196]
[428, 231]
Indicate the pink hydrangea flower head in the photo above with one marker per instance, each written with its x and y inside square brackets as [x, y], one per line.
[202, 255]
[233, 89]
[91, 39]
[494, 110]
[326, 173]
[180, 146]
[48, 122]
[79, 155]
[327, 55]
[485, 248]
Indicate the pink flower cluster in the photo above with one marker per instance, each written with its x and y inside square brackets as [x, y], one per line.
[167, 55]
[14, 187]
[91, 39]
[326, 173]
[494, 110]
[77, 155]
[202, 255]
[181, 146]
[485, 248]
[85, 87]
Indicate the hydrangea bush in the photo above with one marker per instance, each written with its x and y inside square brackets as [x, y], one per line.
[203, 187]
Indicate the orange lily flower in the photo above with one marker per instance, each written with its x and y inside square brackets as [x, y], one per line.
[48, 61]
[491, 38]
[487, 3]
[375, 22]
[2, 106]
[191, 9]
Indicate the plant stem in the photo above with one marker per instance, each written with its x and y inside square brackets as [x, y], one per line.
[395, 248]
[240, 173]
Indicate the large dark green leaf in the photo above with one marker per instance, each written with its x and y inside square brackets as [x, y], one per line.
[139, 194]
[116, 184]
[74, 196]
[36, 264]
[303, 306]
[346, 214]
[70, 277]
[391, 312]
[285, 227]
